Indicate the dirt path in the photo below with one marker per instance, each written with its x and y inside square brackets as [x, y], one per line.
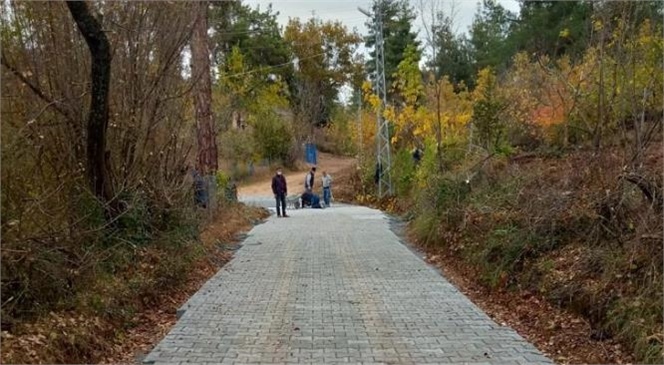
[326, 162]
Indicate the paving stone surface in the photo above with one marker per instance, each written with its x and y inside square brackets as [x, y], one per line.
[334, 286]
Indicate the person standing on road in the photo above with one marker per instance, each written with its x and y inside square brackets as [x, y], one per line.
[280, 190]
[309, 180]
[327, 186]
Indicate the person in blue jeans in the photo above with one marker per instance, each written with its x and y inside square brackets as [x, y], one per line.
[310, 199]
[327, 186]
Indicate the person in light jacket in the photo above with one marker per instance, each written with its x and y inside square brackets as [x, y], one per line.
[327, 188]
[309, 180]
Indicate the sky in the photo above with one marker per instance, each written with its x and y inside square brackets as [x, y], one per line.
[346, 11]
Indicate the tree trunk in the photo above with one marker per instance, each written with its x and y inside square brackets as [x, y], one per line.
[206, 133]
[205, 130]
[439, 130]
[597, 132]
[100, 52]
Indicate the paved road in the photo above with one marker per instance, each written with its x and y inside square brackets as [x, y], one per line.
[334, 286]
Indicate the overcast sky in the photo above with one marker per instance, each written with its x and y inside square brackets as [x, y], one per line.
[346, 10]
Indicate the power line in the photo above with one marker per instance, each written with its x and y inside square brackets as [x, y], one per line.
[271, 30]
[245, 32]
[269, 67]
[297, 44]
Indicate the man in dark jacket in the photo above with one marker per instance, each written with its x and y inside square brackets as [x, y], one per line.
[280, 190]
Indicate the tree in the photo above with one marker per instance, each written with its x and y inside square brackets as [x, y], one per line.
[255, 32]
[397, 19]
[325, 61]
[272, 136]
[450, 59]
[449, 52]
[453, 56]
[205, 130]
[552, 28]
[146, 93]
[488, 108]
[621, 63]
[254, 98]
[100, 52]
[46, 107]
[410, 129]
[236, 83]
[488, 36]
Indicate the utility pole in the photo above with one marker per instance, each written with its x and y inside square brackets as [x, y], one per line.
[360, 139]
[383, 161]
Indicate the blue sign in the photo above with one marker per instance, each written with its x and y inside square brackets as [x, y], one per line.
[311, 154]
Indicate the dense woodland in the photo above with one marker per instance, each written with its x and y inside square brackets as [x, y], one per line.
[541, 134]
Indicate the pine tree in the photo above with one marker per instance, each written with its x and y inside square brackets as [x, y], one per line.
[488, 36]
[452, 56]
[552, 28]
[398, 17]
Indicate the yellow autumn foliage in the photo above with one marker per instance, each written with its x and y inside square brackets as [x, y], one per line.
[415, 118]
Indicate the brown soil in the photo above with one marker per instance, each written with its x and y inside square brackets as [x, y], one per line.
[259, 185]
[563, 336]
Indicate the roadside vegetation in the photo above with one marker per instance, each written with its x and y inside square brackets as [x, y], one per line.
[107, 122]
[539, 173]
[542, 162]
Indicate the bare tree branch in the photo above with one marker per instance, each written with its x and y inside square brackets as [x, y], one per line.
[49, 101]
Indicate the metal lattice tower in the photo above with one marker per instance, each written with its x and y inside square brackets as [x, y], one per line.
[383, 160]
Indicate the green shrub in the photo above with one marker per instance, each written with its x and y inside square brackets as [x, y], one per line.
[85, 205]
[638, 321]
[272, 136]
[237, 146]
[428, 167]
[226, 188]
[576, 133]
[503, 255]
[403, 172]
[137, 221]
[488, 123]
[367, 165]
[525, 136]
[454, 153]
[425, 227]
[339, 138]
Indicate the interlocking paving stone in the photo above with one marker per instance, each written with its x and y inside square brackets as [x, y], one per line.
[334, 286]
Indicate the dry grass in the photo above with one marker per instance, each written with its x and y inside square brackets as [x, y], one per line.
[568, 232]
[142, 301]
[560, 334]
[154, 323]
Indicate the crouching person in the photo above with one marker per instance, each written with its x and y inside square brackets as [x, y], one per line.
[311, 200]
